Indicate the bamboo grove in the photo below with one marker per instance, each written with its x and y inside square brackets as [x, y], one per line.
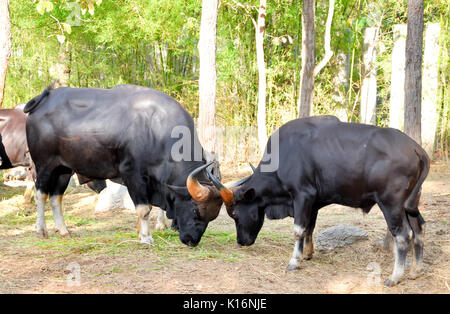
[154, 43]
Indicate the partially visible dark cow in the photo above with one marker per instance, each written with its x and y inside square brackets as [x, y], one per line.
[324, 161]
[126, 134]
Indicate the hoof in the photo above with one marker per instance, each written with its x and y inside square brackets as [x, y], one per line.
[415, 274]
[293, 265]
[389, 283]
[160, 227]
[43, 234]
[63, 234]
[147, 240]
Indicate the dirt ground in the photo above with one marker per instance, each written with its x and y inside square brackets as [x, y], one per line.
[104, 256]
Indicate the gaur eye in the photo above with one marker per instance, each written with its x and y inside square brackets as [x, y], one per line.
[196, 213]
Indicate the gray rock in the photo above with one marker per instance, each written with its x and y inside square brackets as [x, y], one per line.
[338, 236]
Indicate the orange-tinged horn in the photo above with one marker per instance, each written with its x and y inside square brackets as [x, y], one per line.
[198, 192]
[226, 194]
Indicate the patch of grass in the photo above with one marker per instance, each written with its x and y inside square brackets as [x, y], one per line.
[80, 221]
[27, 216]
[116, 269]
[214, 245]
[220, 237]
[7, 192]
[106, 237]
[20, 218]
[123, 242]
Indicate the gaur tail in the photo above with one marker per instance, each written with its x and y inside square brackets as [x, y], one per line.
[412, 202]
[33, 103]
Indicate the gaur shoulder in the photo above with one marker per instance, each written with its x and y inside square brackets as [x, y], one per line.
[142, 92]
[308, 124]
[315, 120]
[130, 87]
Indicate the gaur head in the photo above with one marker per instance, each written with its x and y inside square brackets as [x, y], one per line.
[244, 206]
[195, 209]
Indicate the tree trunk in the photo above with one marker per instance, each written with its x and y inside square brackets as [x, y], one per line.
[369, 84]
[340, 80]
[59, 72]
[430, 87]
[305, 101]
[261, 117]
[207, 76]
[5, 45]
[397, 99]
[327, 39]
[413, 70]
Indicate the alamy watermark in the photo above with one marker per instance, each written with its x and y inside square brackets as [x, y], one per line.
[73, 278]
[74, 17]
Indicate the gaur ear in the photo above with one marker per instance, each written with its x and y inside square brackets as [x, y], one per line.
[180, 190]
[249, 195]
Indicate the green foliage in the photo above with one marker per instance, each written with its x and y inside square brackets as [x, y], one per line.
[154, 43]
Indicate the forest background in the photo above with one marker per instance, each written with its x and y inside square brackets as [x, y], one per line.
[94, 43]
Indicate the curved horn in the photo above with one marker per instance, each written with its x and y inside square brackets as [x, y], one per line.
[198, 192]
[240, 182]
[226, 194]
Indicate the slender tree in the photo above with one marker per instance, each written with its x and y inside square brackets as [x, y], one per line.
[397, 92]
[60, 72]
[369, 82]
[5, 44]
[261, 117]
[413, 70]
[208, 76]
[260, 28]
[327, 39]
[305, 101]
[430, 87]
